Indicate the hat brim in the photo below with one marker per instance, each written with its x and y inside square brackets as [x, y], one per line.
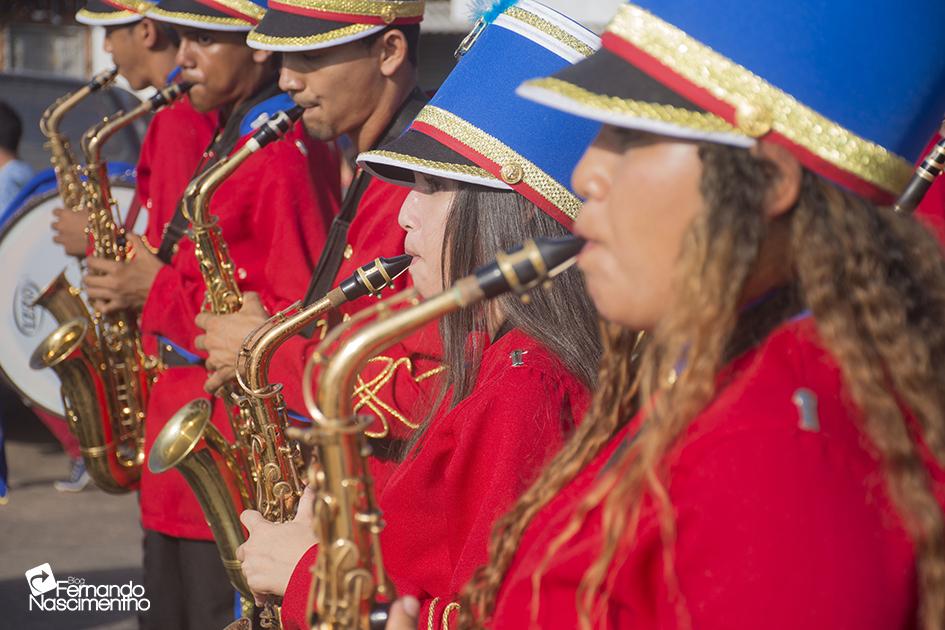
[637, 101]
[413, 152]
[102, 13]
[287, 32]
[198, 15]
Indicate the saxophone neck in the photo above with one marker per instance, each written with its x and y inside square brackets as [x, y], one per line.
[259, 347]
[518, 271]
[52, 117]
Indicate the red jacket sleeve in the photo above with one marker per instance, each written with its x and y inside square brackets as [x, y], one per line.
[274, 220]
[295, 600]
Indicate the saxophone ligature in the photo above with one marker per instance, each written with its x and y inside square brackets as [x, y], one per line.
[350, 587]
[104, 373]
[59, 297]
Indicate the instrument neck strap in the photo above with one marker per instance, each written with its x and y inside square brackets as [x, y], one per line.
[323, 278]
[224, 141]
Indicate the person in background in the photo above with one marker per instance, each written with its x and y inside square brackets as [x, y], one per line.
[144, 52]
[14, 173]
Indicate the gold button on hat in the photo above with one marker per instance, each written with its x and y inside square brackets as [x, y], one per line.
[512, 173]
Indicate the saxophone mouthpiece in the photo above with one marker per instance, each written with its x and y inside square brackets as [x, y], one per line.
[374, 276]
[275, 128]
[528, 265]
[169, 94]
[102, 79]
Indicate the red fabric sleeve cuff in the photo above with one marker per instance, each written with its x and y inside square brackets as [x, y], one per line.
[295, 600]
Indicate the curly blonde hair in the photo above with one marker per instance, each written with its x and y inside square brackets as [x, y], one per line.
[875, 283]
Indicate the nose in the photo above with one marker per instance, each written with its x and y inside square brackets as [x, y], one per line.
[407, 218]
[107, 44]
[588, 179]
[289, 81]
[185, 58]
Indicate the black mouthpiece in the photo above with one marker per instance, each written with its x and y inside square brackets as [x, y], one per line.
[374, 276]
[295, 113]
[922, 179]
[276, 127]
[169, 94]
[526, 265]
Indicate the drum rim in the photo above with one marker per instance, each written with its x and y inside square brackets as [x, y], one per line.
[119, 181]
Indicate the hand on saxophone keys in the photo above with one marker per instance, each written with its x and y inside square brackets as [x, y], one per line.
[223, 336]
[272, 550]
[69, 231]
[112, 285]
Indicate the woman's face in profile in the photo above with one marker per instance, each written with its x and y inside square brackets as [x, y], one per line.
[423, 216]
[642, 193]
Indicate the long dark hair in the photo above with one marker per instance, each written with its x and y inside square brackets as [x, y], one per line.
[482, 222]
[875, 283]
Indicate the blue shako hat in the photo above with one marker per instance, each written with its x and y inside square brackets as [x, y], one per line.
[211, 15]
[853, 91]
[112, 12]
[477, 130]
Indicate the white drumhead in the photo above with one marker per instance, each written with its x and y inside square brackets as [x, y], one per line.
[31, 260]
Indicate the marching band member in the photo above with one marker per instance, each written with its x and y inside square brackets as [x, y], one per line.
[144, 52]
[273, 213]
[785, 467]
[354, 68]
[487, 171]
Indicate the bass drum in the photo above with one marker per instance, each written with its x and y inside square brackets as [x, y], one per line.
[31, 260]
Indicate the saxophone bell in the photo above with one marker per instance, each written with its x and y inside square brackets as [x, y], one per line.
[191, 443]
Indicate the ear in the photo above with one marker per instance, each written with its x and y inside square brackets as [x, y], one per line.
[147, 33]
[392, 51]
[786, 187]
[261, 56]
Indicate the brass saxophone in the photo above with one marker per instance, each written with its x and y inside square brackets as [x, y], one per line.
[59, 297]
[349, 575]
[216, 470]
[103, 369]
[277, 468]
[213, 467]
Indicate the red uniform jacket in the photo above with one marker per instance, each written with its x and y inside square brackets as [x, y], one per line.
[931, 210]
[441, 502]
[170, 154]
[395, 385]
[273, 212]
[782, 522]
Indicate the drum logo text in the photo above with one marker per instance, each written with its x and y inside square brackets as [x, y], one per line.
[28, 318]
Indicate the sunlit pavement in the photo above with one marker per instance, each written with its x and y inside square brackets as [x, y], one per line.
[87, 535]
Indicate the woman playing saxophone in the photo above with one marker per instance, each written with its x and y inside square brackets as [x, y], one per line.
[517, 374]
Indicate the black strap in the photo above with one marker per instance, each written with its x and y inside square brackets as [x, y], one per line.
[329, 262]
[223, 143]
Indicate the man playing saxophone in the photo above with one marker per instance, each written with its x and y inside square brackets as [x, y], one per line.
[363, 86]
[272, 213]
[143, 51]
